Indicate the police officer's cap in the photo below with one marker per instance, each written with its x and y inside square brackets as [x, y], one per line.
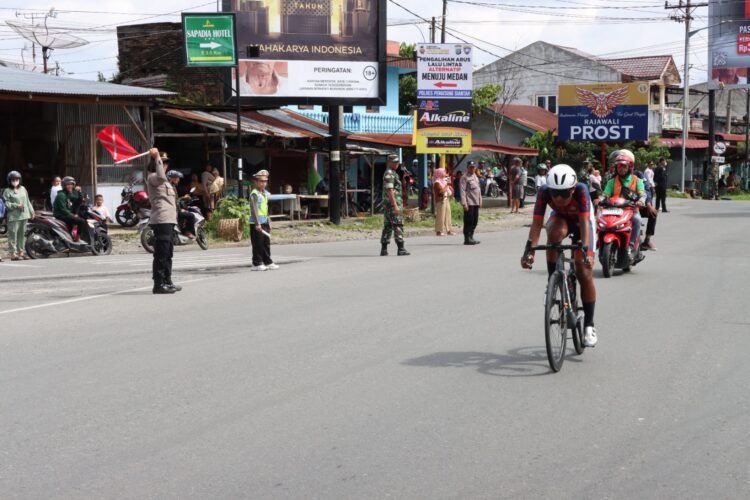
[393, 158]
[471, 164]
[261, 174]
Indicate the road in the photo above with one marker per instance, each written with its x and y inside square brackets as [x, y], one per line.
[346, 375]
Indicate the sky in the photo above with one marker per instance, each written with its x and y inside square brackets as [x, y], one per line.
[607, 28]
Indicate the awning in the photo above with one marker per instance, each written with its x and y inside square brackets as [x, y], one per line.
[274, 123]
[404, 141]
[676, 142]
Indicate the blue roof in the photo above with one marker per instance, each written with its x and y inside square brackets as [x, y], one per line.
[16, 81]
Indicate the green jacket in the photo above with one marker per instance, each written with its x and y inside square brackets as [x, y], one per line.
[65, 202]
[17, 204]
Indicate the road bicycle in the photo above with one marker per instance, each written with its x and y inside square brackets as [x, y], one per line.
[562, 312]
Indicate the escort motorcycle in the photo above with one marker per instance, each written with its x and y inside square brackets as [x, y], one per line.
[615, 225]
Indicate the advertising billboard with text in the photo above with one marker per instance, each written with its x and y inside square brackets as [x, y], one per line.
[311, 51]
[606, 112]
[728, 43]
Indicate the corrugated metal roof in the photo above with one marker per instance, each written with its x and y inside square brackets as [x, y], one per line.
[16, 81]
[274, 123]
[676, 142]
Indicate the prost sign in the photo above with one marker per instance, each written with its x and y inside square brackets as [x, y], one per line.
[608, 112]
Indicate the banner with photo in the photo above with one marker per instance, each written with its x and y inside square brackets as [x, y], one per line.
[311, 51]
[603, 112]
[444, 90]
[728, 44]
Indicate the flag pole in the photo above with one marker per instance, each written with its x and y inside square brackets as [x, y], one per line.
[132, 157]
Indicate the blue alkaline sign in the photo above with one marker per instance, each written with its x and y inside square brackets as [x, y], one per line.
[608, 112]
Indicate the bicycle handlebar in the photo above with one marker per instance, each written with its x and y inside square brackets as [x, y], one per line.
[559, 246]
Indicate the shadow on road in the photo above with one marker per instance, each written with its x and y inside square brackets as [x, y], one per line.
[521, 362]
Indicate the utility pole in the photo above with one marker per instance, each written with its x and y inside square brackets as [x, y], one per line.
[432, 30]
[445, 10]
[686, 16]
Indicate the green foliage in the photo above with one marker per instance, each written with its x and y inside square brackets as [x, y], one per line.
[407, 51]
[483, 97]
[231, 207]
[575, 153]
[457, 212]
[100, 77]
[643, 155]
[407, 94]
[544, 142]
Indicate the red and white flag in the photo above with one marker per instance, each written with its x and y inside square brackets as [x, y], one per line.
[116, 144]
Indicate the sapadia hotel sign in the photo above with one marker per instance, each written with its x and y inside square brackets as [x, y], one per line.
[311, 51]
[607, 112]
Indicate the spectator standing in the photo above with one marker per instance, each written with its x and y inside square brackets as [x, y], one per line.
[163, 197]
[56, 187]
[650, 212]
[457, 185]
[471, 196]
[18, 211]
[217, 187]
[260, 222]
[443, 192]
[648, 175]
[393, 214]
[207, 178]
[660, 185]
[515, 185]
[524, 181]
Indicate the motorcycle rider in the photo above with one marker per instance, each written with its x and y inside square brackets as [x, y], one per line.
[66, 206]
[571, 213]
[185, 218]
[627, 185]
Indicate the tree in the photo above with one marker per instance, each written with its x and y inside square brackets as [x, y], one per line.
[100, 77]
[407, 94]
[407, 51]
[644, 154]
[483, 97]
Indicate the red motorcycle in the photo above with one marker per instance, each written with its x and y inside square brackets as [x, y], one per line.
[133, 203]
[615, 224]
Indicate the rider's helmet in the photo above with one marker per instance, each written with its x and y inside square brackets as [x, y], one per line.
[174, 173]
[561, 177]
[613, 156]
[626, 157]
[68, 180]
[542, 167]
[13, 174]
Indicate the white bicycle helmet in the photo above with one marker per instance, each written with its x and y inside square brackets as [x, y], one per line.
[561, 177]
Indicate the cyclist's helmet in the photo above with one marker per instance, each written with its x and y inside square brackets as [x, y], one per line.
[625, 156]
[174, 173]
[13, 174]
[68, 180]
[561, 177]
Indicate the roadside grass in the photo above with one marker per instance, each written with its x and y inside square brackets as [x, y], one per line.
[672, 193]
[741, 196]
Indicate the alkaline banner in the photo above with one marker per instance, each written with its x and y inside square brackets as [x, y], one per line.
[444, 89]
[609, 112]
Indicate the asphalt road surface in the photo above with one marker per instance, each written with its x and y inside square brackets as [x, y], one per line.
[345, 375]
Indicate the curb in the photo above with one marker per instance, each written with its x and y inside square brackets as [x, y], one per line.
[145, 270]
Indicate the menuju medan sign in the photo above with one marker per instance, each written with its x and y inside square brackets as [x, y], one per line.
[607, 112]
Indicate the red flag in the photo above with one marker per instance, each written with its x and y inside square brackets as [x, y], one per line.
[116, 144]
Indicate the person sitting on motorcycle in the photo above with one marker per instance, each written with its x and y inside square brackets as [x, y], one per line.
[571, 214]
[185, 218]
[628, 186]
[66, 206]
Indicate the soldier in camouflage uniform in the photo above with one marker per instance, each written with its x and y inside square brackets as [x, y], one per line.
[393, 214]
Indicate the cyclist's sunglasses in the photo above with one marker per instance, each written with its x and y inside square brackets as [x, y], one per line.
[561, 193]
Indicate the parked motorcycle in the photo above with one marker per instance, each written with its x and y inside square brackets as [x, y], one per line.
[615, 224]
[3, 226]
[497, 185]
[46, 235]
[127, 214]
[178, 235]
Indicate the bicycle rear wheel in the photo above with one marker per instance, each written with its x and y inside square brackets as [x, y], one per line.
[555, 322]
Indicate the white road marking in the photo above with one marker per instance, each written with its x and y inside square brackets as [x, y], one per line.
[88, 297]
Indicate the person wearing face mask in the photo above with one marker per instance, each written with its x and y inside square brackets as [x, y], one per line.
[19, 211]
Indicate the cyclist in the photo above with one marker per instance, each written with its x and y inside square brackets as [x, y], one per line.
[571, 213]
[628, 186]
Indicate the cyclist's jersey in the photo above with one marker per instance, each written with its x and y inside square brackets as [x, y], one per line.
[579, 206]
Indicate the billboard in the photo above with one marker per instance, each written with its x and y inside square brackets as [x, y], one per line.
[311, 51]
[605, 112]
[444, 90]
[728, 43]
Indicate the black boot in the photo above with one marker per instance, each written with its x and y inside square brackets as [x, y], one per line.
[402, 250]
[383, 249]
[162, 288]
[168, 282]
[473, 241]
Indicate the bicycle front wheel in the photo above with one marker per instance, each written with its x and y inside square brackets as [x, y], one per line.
[555, 322]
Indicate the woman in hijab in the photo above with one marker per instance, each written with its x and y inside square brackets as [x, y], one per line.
[442, 192]
[19, 210]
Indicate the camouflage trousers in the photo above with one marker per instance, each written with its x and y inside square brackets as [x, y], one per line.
[392, 224]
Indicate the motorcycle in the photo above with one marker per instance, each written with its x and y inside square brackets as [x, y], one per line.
[615, 224]
[3, 226]
[127, 214]
[46, 235]
[497, 185]
[178, 234]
